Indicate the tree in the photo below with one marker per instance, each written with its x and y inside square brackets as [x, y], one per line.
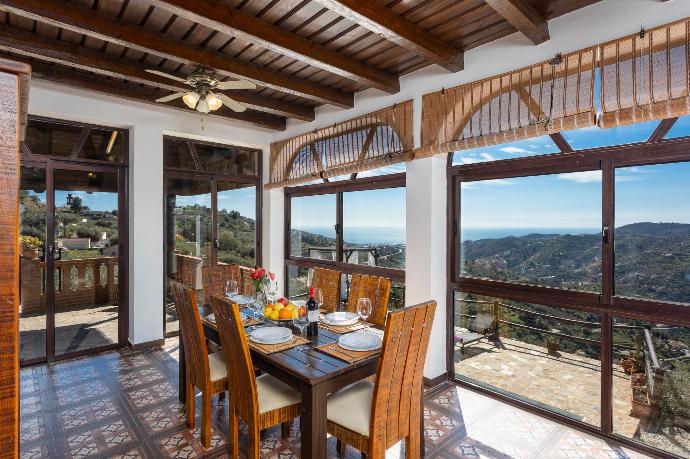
[77, 205]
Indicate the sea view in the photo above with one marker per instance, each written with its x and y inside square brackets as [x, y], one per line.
[396, 235]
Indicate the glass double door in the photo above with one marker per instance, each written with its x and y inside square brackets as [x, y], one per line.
[71, 253]
[208, 221]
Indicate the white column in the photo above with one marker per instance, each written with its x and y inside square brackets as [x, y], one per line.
[273, 229]
[425, 261]
[146, 233]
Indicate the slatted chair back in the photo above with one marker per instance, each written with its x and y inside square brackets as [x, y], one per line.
[195, 350]
[241, 378]
[214, 278]
[377, 289]
[396, 405]
[328, 281]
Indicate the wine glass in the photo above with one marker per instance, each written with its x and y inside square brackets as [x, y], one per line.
[231, 288]
[318, 296]
[301, 322]
[364, 310]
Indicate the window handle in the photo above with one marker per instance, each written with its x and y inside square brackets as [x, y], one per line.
[337, 228]
[605, 234]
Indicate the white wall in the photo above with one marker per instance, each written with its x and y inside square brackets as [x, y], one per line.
[426, 179]
[147, 126]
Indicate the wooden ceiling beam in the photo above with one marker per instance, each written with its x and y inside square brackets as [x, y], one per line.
[384, 22]
[109, 28]
[233, 22]
[521, 15]
[60, 52]
[74, 79]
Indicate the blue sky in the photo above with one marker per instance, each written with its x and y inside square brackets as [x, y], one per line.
[101, 201]
[242, 200]
[648, 193]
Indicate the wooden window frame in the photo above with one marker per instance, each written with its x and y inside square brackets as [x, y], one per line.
[213, 178]
[338, 189]
[655, 150]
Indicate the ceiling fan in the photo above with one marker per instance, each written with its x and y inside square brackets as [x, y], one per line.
[201, 97]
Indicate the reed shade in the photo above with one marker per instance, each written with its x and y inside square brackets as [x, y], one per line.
[646, 76]
[549, 97]
[369, 141]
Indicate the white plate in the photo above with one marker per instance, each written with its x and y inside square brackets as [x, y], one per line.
[240, 299]
[341, 318]
[211, 318]
[360, 341]
[271, 335]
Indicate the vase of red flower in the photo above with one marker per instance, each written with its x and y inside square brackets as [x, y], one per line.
[264, 286]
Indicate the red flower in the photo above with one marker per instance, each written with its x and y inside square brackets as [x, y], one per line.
[272, 276]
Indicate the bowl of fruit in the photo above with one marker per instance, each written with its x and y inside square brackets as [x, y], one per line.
[284, 310]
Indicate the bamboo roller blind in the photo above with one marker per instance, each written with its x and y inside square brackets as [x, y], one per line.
[646, 76]
[549, 97]
[366, 142]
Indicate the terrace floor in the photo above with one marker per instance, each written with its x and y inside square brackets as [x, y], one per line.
[75, 330]
[124, 404]
[568, 383]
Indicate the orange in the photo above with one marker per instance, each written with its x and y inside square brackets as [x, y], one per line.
[285, 314]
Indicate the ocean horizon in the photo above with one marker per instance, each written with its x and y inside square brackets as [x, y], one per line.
[396, 235]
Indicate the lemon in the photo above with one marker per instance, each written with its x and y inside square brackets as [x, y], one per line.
[275, 315]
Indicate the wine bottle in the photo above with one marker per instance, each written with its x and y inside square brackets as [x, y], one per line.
[312, 314]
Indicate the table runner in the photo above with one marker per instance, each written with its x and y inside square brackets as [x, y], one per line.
[346, 355]
[272, 348]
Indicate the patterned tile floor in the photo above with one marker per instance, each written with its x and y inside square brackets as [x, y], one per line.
[124, 405]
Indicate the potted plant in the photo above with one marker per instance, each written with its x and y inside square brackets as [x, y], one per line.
[552, 345]
[29, 246]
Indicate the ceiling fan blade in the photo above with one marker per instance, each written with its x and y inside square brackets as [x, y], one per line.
[238, 84]
[167, 75]
[232, 104]
[173, 96]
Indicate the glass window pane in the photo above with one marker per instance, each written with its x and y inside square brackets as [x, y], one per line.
[541, 230]
[104, 145]
[32, 298]
[86, 238]
[653, 232]
[651, 384]
[385, 170]
[595, 137]
[529, 147]
[237, 223]
[549, 357]
[51, 139]
[227, 159]
[681, 128]
[299, 279]
[312, 230]
[374, 227]
[177, 155]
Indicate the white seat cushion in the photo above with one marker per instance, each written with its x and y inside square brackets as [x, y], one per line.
[216, 366]
[350, 407]
[273, 394]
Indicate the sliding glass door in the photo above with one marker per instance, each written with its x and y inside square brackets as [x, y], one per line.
[212, 212]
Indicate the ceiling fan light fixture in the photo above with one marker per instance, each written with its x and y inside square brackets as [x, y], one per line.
[190, 99]
[203, 106]
[214, 103]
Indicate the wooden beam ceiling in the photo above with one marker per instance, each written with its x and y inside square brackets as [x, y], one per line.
[60, 52]
[234, 22]
[395, 28]
[523, 17]
[137, 93]
[109, 28]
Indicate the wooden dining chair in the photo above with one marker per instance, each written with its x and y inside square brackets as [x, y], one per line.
[377, 289]
[214, 278]
[328, 281]
[205, 372]
[372, 417]
[261, 402]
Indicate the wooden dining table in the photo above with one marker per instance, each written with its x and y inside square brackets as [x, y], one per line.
[309, 371]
